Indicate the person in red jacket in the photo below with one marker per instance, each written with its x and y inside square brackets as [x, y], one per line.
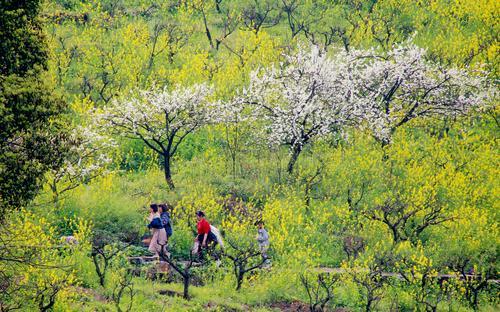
[205, 235]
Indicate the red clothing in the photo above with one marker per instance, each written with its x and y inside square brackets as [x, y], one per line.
[203, 226]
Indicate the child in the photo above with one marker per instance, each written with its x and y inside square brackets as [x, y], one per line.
[263, 240]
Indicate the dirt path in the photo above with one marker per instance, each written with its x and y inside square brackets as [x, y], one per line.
[397, 275]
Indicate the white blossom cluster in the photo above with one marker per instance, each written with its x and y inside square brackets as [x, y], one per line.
[311, 94]
[308, 95]
[87, 157]
[303, 97]
[161, 118]
[394, 88]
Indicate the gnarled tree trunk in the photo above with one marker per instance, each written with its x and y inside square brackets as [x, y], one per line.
[167, 170]
[293, 159]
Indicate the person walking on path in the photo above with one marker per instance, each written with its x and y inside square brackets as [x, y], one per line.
[205, 237]
[166, 220]
[263, 240]
[159, 238]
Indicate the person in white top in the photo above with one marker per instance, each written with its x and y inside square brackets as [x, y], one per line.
[263, 240]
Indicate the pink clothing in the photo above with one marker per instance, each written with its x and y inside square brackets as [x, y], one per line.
[158, 240]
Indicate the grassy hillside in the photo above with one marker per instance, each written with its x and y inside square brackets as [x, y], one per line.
[362, 224]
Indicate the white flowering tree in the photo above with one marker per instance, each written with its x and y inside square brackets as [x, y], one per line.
[161, 118]
[87, 158]
[394, 88]
[310, 94]
[300, 100]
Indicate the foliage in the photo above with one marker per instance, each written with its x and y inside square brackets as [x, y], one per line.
[404, 86]
[36, 268]
[86, 159]
[319, 293]
[161, 119]
[301, 100]
[246, 257]
[31, 139]
[392, 203]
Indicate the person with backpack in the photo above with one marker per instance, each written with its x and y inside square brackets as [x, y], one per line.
[159, 238]
[166, 220]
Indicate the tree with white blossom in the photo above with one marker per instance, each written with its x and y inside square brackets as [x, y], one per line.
[87, 158]
[310, 94]
[301, 99]
[162, 118]
[391, 89]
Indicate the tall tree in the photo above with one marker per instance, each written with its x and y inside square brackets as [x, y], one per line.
[310, 95]
[30, 137]
[86, 159]
[161, 119]
[393, 88]
[301, 100]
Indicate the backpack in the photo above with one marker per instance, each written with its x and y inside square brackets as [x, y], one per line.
[218, 236]
[169, 228]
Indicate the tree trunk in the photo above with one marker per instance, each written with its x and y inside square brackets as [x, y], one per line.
[100, 274]
[233, 163]
[369, 302]
[168, 172]
[55, 192]
[279, 167]
[240, 280]
[186, 286]
[307, 196]
[475, 301]
[295, 154]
